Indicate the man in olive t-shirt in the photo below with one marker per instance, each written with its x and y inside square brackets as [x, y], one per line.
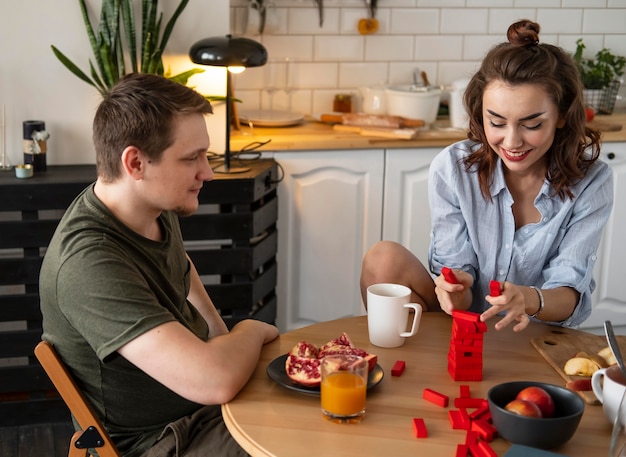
[121, 301]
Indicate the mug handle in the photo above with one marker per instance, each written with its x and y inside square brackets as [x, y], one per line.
[597, 376]
[417, 317]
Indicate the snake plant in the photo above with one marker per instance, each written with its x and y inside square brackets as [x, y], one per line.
[115, 40]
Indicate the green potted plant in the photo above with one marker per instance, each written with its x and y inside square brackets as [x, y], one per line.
[600, 77]
[115, 42]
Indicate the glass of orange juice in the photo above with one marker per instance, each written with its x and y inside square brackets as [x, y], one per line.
[344, 386]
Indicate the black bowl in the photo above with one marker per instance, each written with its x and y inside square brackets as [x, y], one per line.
[545, 432]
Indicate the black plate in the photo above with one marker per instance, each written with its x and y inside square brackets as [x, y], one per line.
[276, 372]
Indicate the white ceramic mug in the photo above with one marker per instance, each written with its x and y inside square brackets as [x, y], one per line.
[609, 385]
[388, 313]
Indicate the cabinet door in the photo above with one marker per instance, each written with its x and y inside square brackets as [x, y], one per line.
[609, 298]
[329, 214]
[406, 214]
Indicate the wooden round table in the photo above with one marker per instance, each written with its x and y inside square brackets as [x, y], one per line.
[267, 419]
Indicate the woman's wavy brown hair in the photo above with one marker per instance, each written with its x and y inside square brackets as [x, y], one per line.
[523, 60]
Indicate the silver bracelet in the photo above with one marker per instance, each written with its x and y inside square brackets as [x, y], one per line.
[541, 302]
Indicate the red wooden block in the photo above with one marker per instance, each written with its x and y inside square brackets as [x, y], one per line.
[462, 450]
[494, 288]
[398, 368]
[468, 402]
[481, 413]
[456, 420]
[485, 430]
[419, 428]
[465, 315]
[449, 276]
[435, 397]
[482, 449]
[481, 326]
[471, 437]
[467, 422]
[465, 375]
[464, 391]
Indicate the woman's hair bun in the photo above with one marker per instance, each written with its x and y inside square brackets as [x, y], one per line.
[523, 33]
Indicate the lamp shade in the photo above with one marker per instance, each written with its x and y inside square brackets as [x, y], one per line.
[226, 51]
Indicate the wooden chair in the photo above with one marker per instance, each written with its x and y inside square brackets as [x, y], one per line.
[92, 434]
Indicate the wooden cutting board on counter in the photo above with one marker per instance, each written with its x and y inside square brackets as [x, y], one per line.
[604, 126]
[558, 348]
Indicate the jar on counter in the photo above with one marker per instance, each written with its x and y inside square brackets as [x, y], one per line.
[342, 103]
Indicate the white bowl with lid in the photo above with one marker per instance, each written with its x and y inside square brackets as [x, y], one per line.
[414, 103]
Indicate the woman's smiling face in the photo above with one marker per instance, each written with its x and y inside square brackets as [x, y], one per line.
[520, 123]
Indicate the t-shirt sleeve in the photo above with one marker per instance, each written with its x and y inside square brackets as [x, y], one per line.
[110, 303]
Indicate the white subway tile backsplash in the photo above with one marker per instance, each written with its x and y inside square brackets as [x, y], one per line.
[415, 21]
[464, 20]
[315, 75]
[363, 74]
[559, 20]
[489, 3]
[607, 21]
[297, 47]
[501, 18]
[583, 4]
[305, 21]
[476, 46]
[445, 38]
[440, 3]
[537, 3]
[439, 47]
[338, 48]
[388, 48]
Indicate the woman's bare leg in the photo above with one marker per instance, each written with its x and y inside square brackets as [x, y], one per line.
[390, 262]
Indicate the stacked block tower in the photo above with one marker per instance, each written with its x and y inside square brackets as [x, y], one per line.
[465, 357]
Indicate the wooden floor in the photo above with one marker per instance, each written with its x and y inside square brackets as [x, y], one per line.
[49, 440]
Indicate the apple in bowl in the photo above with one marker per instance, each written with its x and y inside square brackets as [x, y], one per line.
[528, 429]
[539, 397]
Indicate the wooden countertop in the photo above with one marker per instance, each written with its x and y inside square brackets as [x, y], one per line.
[312, 135]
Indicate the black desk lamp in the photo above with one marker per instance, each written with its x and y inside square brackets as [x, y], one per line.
[236, 54]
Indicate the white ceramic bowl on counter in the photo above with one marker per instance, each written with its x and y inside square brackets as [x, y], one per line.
[413, 104]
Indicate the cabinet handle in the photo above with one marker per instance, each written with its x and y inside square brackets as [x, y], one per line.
[610, 155]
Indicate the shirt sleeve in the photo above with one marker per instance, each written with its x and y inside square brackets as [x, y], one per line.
[450, 243]
[573, 264]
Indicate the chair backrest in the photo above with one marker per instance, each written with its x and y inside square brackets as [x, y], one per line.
[92, 432]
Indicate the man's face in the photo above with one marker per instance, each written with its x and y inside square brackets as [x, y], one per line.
[175, 182]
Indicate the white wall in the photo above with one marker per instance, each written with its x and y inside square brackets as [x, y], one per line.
[35, 85]
[446, 38]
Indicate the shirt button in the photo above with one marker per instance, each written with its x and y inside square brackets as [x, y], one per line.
[525, 230]
[508, 246]
[500, 272]
[545, 219]
[594, 257]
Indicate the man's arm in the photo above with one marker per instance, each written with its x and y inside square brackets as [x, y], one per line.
[200, 299]
[210, 372]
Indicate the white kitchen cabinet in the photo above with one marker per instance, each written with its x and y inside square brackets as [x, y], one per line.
[330, 206]
[406, 215]
[609, 298]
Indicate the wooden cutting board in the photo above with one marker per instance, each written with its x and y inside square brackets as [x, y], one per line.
[558, 348]
[605, 126]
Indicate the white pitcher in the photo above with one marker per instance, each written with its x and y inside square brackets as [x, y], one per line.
[373, 100]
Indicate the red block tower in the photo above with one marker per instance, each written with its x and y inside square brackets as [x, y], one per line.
[465, 357]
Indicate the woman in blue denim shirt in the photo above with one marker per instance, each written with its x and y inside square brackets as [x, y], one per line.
[522, 201]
